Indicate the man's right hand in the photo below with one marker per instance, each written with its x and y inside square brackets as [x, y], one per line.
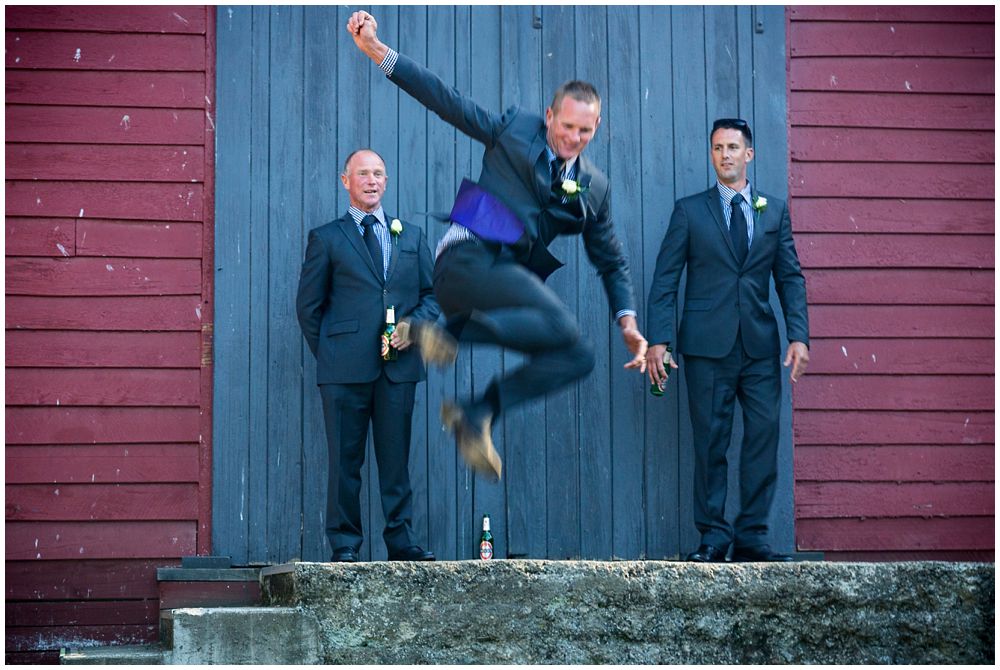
[363, 28]
[657, 357]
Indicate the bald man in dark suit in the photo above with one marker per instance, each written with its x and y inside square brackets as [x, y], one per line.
[355, 268]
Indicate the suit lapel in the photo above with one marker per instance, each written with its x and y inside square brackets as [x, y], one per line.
[350, 230]
[714, 206]
[539, 161]
[583, 178]
[758, 223]
[394, 254]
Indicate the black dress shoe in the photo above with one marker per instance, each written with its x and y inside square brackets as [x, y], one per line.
[706, 553]
[759, 554]
[413, 553]
[344, 555]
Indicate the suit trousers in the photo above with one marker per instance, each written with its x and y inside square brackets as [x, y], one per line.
[713, 386]
[489, 297]
[348, 409]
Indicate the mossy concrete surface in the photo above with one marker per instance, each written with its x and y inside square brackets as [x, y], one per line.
[650, 612]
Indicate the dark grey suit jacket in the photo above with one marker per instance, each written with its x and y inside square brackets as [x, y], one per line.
[342, 301]
[721, 296]
[516, 172]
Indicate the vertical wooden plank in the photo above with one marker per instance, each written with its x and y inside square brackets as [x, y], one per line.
[771, 152]
[443, 175]
[259, 270]
[230, 427]
[595, 434]
[415, 41]
[721, 63]
[387, 132]
[321, 185]
[746, 82]
[622, 486]
[662, 503]
[487, 361]
[524, 465]
[559, 30]
[207, 372]
[284, 430]
[468, 161]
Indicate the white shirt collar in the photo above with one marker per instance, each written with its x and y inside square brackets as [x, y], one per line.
[568, 166]
[358, 214]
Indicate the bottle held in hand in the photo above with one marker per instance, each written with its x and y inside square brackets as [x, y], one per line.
[657, 389]
[389, 352]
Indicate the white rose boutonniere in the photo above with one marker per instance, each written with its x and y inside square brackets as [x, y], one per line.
[572, 189]
[396, 227]
[759, 204]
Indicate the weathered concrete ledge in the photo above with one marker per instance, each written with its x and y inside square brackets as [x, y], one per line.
[521, 611]
[243, 635]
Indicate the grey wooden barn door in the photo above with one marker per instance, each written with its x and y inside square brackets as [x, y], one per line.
[601, 470]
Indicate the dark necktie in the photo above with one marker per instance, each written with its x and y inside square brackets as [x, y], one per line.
[738, 229]
[371, 241]
[555, 170]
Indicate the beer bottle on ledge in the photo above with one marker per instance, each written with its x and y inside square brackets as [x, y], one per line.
[389, 352]
[486, 541]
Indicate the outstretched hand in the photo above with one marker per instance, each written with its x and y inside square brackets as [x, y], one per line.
[364, 29]
[635, 343]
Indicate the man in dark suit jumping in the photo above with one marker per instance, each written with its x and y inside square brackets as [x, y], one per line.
[355, 268]
[733, 240]
[493, 260]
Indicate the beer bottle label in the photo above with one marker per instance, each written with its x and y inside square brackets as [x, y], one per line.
[486, 550]
[385, 346]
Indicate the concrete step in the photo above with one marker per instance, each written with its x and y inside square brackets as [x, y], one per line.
[122, 655]
[240, 635]
[217, 635]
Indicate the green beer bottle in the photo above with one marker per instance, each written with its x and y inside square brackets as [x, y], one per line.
[389, 352]
[657, 389]
[486, 541]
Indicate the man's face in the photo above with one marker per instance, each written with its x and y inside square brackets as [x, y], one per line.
[730, 155]
[365, 180]
[572, 126]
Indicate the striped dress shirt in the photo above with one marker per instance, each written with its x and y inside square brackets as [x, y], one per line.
[381, 230]
[726, 195]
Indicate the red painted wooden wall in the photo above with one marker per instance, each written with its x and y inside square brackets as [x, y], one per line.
[892, 182]
[109, 214]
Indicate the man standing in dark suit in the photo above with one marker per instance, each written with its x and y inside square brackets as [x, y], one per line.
[356, 268]
[493, 260]
[733, 240]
